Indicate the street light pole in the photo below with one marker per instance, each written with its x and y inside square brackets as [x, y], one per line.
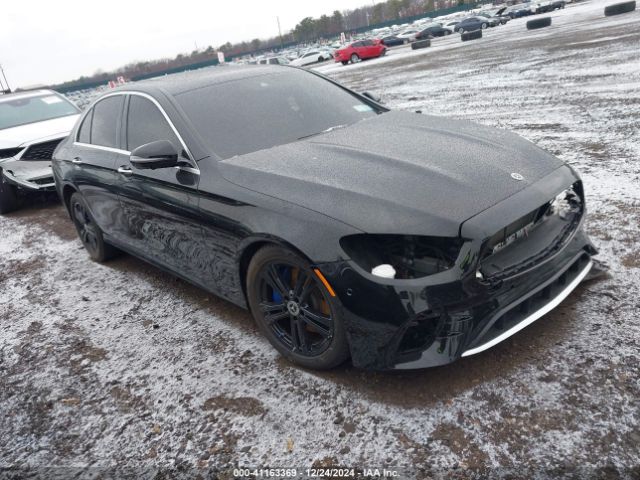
[6, 83]
[280, 33]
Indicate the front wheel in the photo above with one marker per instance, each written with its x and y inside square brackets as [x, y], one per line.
[295, 310]
[355, 58]
[483, 26]
[88, 231]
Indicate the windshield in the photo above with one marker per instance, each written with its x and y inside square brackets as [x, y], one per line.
[30, 109]
[255, 113]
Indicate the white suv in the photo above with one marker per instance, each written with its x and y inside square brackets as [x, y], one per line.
[31, 126]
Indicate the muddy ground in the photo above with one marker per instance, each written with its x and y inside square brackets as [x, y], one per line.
[124, 367]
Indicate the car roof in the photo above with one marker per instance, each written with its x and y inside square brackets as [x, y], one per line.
[178, 83]
[26, 94]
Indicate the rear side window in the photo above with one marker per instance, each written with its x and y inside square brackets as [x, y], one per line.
[84, 134]
[145, 124]
[104, 127]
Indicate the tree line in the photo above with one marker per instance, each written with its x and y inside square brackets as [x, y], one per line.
[308, 29]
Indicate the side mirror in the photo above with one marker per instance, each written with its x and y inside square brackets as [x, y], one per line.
[371, 96]
[158, 154]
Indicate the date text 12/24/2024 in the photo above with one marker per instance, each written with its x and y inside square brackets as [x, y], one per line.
[248, 473]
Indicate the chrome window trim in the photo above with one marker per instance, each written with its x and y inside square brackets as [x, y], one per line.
[100, 147]
[191, 159]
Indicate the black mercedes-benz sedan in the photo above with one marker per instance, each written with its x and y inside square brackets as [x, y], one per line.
[398, 239]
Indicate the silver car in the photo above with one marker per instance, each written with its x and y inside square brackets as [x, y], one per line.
[31, 126]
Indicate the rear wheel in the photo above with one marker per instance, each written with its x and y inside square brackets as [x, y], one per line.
[294, 309]
[88, 231]
[8, 196]
[483, 26]
[355, 58]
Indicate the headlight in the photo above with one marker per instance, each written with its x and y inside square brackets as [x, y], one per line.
[411, 256]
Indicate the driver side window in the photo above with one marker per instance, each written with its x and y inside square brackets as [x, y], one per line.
[145, 124]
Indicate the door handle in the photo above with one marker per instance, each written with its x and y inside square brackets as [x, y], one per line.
[125, 171]
[76, 160]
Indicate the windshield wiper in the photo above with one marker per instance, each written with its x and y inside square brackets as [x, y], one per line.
[323, 131]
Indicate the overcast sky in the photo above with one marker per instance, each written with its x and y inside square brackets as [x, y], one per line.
[44, 41]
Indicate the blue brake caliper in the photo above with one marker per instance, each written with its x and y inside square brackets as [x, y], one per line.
[275, 296]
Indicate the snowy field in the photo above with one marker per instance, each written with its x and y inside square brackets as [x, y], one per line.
[123, 366]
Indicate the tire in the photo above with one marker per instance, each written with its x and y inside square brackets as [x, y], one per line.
[538, 23]
[355, 58]
[9, 201]
[88, 231]
[287, 301]
[618, 8]
[420, 44]
[461, 31]
[345, 62]
[483, 26]
[472, 35]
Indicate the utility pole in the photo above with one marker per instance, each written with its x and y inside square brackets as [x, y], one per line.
[5, 84]
[280, 33]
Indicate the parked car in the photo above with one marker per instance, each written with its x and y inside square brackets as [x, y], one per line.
[274, 61]
[31, 126]
[310, 57]
[433, 30]
[494, 20]
[557, 5]
[408, 35]
[471, 23]
[280, 190]
[520, 10]
[360, 50]
[393, 41]
[542, 6]
[451, 25]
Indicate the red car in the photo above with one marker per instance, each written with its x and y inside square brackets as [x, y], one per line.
[360, 50]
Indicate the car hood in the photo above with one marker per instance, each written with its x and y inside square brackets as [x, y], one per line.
[398, 172]
[18, 136]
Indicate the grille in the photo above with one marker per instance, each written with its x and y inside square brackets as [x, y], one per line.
[43, 181]
[533, 238]
[41, 151]
[9, 152]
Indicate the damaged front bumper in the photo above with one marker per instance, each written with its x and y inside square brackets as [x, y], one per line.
[35, 176]
[418, 323]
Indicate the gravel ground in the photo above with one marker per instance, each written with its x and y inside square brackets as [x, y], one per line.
[122, 366]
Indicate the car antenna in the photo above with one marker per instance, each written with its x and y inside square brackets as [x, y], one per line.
[5, 83]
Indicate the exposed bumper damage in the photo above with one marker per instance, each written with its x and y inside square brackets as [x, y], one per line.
[504, 279]
[29, 175]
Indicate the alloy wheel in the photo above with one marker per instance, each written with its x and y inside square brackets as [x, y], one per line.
[295, 309]
[86, 228]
